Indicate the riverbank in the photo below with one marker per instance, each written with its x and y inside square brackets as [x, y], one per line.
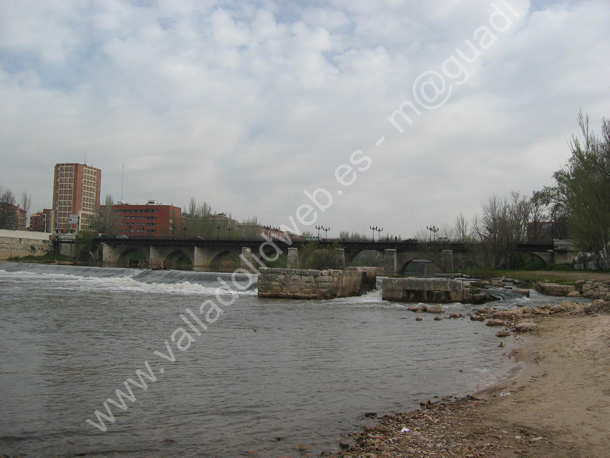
[564, 277]
[557, 406]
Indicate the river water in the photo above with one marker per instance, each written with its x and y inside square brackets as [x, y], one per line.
[264, 377]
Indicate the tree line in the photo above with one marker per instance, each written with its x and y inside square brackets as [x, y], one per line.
[576, 207]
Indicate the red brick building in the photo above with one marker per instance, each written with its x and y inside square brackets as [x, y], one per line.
[149, 220]
[41, 221]
[13, 217]
[76, 197]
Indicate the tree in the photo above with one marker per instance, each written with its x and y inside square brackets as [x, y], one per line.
[504, 225]
[582, 191]
[109, 220]
[491, 230]
[250, 229]
[353, 237]
[26, 201]
[461, 230]
[313, 256]
[540, 213]
[84, 245]
[197, 220]
[7, 210]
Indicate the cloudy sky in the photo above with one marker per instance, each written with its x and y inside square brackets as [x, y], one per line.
[249, 105]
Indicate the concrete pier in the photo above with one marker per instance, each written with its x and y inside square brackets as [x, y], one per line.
[436, 290]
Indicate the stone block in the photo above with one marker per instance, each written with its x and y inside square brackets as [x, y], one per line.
[435, 290]
[553, 289]
[310, 284]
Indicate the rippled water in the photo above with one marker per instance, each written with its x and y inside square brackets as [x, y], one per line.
[266, 376]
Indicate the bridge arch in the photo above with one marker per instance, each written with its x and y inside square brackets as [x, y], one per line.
[133, 257]
[542, 262]
[219, 257]
[179, 259]
[419, 267]
[353, 253]
[465, 264]
[366, 256]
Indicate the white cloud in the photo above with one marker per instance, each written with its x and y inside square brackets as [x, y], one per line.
[248, 104]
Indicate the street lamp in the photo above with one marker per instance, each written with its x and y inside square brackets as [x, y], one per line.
[376, 229]
[229, 230]
[318, 228]
[325, 229]
[218, 232]
[432, 229]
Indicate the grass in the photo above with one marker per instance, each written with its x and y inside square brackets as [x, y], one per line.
[554, 275]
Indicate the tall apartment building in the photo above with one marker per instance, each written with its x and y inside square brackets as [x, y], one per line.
[76, 197]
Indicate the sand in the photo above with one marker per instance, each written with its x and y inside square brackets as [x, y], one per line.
[563, 393]
[557, 406]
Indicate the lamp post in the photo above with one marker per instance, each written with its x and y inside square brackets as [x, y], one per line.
[325, 229]
[376, 229]
[229, 231]
[318, 228]
[218, 232]
[432, 229]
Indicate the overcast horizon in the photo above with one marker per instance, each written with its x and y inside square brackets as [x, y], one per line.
[250, 106]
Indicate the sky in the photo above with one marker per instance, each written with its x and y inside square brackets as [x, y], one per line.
[346, 114]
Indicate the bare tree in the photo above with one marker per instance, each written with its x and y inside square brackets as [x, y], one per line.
[26, 201]
[352, 237]
[8, 219]
[503, 226]
[540, 214]
[461, 229]
[250, 229]
[493, 231]
[197, 220]
[109, 220]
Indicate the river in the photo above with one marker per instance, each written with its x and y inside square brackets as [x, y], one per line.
[266, 375]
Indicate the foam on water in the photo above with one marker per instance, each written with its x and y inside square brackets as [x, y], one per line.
[133, 280]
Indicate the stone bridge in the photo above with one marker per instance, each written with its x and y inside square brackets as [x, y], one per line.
[166, 253]
[426, 259]
[399, 257]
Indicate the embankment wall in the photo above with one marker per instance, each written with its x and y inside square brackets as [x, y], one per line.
[17, 244]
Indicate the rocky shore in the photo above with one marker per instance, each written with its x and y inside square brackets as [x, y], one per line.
[557, 406]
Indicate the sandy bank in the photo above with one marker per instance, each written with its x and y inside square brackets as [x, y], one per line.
[558, 406]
